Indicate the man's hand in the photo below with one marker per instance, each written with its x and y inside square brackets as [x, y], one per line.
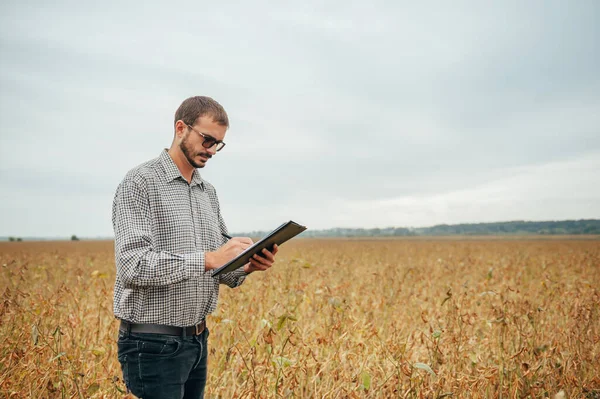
[231, 249]
[263, 261]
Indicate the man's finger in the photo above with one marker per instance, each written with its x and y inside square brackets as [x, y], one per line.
[265, 254]
[258, 265]
[264, 262]
[260, 259]
[245, 240]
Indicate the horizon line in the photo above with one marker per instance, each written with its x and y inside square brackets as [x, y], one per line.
[111, 237]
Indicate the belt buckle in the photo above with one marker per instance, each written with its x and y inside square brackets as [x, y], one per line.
[198, 328]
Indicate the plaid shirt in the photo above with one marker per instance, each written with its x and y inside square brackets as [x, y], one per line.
[163, 226]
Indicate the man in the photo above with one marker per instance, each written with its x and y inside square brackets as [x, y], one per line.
[169, 236]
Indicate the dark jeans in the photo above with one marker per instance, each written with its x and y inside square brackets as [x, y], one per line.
[164, 366]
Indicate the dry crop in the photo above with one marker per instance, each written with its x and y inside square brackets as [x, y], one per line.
[333, 319]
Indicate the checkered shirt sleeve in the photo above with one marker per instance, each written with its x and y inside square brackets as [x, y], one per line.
[163, 227]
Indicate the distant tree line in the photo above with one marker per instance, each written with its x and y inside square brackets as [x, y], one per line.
[519, 227]
[19, 239]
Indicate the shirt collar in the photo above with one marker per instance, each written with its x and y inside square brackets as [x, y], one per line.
[172, 171]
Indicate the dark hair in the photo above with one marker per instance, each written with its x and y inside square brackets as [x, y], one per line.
[194, 107]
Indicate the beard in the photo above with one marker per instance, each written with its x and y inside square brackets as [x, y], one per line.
[190, 154]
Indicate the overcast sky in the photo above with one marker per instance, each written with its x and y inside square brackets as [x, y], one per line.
[343, 114]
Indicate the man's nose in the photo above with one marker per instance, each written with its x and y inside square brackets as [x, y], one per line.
[213, 149]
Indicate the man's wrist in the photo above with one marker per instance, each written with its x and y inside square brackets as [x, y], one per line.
[210, 261]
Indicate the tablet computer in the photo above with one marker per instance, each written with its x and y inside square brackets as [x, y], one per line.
[278, 236]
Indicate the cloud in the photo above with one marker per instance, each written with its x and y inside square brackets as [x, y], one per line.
[348, 114]
[557, 190]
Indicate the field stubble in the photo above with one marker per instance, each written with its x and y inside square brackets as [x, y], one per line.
[333, 318]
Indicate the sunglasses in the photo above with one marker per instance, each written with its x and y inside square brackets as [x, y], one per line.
[209, 141]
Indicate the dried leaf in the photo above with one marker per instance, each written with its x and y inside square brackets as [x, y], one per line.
[98, 351]
[61, 354]
[425, 367]
[34, 334]
[92, 389]
[282, 362]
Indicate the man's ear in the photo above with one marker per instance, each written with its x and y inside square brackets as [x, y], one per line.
[180, 128]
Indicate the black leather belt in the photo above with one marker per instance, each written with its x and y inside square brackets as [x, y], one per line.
[160, 329]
